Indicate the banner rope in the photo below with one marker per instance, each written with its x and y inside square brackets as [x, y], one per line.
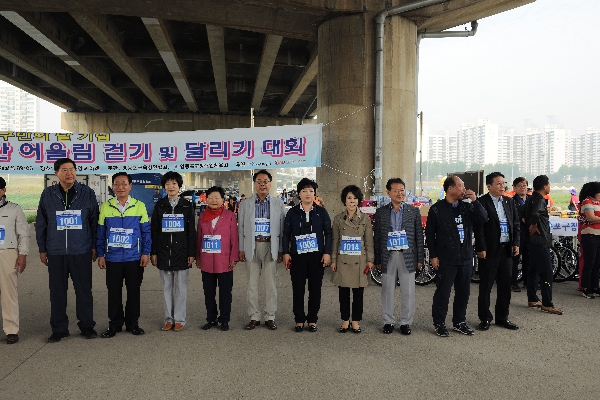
[346, 116]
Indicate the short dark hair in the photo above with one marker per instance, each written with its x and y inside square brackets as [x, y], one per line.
[519, 180]
[305, 182]
[489, 178]
[449, 181]
[58, 163]
[172, 176]
[540, 181]
[589, 189]
[118, 174]
[262, 171]
[391, 181]
[216, 189]
[355, 190]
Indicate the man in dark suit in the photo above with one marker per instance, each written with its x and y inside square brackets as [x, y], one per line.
[496, 241]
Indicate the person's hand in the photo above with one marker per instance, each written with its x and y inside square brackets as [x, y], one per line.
[515, 250]
[154, 259]
[333, 266]
[378, 266]
[242, 256]
[102, 262]
[370, 265]
[471, 195]
[481, 254]
[198, 263]
[144, 260]
[326, 259]
[419, 266]
[279, 257]
[21, 263]
[534, 229]
[191, 261]
[94, 255]
[44, 258]
[287, 261]
[435, 263]
[232, 264]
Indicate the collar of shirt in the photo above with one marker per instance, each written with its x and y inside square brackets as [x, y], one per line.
[122, 208]
[172, 202]
[396, 218]
[266, 200]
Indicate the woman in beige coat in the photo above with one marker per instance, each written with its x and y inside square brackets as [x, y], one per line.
[352, 256]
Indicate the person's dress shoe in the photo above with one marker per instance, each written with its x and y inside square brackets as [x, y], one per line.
[312, 328]
[89, 333]
[111, 332]
[57, 336]
[168, 326]
[342, 329]
[135, 330]
[271, 324]
[507, 324]
[463, 328]
[388, 328]
[12, 338]
[299, 328]
[178, 327]
[224, 326]
[405, 329]
[209, 325]
[252, 324]
[484, 325]
[356, 330]
[515, 288]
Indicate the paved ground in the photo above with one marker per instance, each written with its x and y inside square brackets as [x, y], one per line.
[549, 357]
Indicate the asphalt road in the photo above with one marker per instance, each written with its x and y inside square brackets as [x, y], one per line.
[549, 357]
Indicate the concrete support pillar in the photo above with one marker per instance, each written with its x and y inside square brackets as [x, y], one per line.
[245, 183]
[346, 82]
[273, 173]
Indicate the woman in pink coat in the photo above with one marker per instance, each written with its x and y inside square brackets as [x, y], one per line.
[216, 254]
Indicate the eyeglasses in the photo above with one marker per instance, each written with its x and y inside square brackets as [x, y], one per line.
[262, 182]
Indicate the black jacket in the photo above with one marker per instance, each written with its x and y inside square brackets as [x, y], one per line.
[536, 213]
[173, 248]
[441, 233]
[321, 225]
[487, 236]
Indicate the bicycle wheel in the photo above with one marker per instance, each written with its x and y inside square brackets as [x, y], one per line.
[427, 274]
[569, 263]
[376, 276]
[555, 260]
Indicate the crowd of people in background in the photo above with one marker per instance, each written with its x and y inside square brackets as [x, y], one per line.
[295, 229]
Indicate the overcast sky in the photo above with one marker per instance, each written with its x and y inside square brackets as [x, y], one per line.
[535, 61]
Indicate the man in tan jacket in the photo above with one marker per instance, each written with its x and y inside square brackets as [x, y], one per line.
[14, 245]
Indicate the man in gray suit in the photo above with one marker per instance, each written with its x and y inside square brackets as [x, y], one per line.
[260, 227]
[399, 252]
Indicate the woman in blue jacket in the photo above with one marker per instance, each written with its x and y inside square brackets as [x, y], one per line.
[307, 240]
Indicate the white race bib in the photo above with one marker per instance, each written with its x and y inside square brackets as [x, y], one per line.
[351, 245]
[68, 219]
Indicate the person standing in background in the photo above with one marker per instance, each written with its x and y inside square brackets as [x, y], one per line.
[14, 247]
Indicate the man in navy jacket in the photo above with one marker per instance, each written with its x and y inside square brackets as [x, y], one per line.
[65, 229]
[449, 234]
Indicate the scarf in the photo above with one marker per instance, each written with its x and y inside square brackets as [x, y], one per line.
[210, 214]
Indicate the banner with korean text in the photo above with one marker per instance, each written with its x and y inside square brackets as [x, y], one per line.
[287, 146]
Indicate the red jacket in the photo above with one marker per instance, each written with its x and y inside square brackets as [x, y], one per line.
[227, 228]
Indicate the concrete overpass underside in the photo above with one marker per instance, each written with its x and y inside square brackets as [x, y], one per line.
[112, 62]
